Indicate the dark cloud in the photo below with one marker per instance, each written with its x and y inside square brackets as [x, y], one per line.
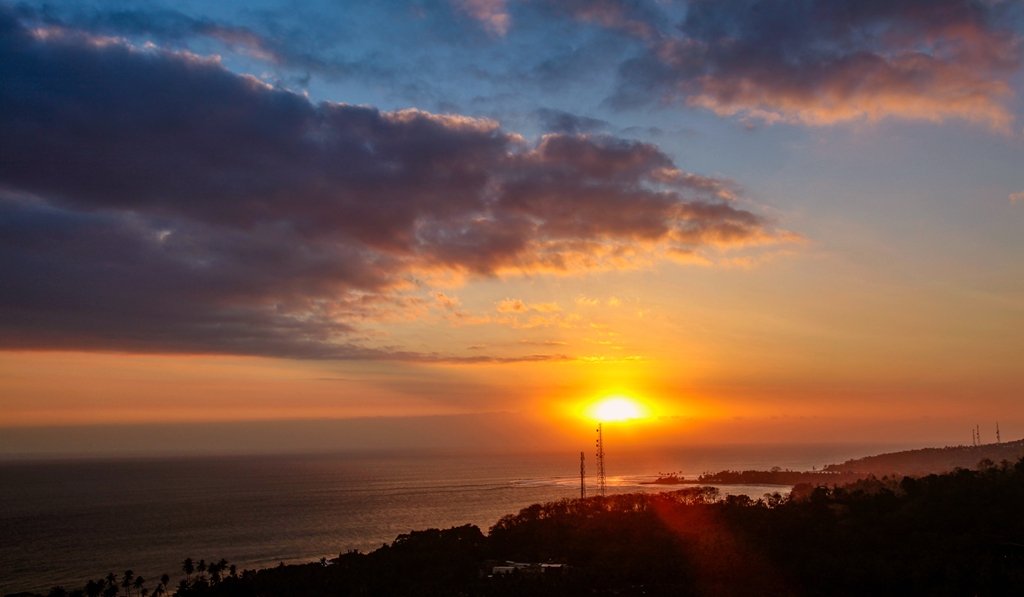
[557, 121]
[825, 61]
[152, 200]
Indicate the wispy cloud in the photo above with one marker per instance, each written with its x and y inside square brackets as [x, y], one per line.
[558, 121]
[492, 14]
[512, 306]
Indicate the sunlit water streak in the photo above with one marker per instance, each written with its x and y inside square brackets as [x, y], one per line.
[65, 522]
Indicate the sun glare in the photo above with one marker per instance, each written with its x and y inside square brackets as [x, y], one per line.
[618, 409]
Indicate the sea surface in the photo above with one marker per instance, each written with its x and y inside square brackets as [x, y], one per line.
[64, 522]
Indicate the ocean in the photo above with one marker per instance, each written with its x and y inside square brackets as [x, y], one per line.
[64, 522]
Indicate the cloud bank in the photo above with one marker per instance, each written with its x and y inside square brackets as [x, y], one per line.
[820, 62]
[152, 200]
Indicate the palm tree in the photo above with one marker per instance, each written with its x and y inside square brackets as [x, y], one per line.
[215, 572]
[126, 582]
[188, 568]
[201, 567]
[93, 588]
[222, 565]
[233, 570]
[139, 582]
[162, 587]
[110, 589]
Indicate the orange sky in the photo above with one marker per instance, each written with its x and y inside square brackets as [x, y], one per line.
[468, 218]
[721, 354]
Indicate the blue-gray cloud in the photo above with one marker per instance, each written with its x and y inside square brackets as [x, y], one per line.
[558, 121]
[827, 61]
[152, 200]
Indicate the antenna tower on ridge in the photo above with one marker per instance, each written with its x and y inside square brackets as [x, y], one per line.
[601, 483]
[978, 428]
[998, 440]
[583, 476]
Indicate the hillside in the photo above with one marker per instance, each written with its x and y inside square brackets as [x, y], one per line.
[927, 461]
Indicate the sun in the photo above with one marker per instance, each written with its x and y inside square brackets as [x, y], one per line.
[617, 408]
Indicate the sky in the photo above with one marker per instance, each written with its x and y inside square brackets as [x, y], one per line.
[766, 221]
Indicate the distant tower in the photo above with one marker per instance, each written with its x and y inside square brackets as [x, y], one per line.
[978, 428]
[602, 486]
[998, 439]
[974, 438]
[583, 476]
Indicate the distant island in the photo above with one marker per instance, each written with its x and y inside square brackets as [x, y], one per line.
[959, 533]
[775, 476]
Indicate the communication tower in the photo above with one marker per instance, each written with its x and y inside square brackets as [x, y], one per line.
[583, 476]
[601, 482]
[978, 428]
[998, 440]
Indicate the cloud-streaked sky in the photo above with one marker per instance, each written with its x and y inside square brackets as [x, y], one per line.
[736, 210]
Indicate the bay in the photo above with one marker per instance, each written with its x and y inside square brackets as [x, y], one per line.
[63, 522]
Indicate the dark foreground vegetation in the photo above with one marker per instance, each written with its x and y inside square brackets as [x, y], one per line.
[960, 533]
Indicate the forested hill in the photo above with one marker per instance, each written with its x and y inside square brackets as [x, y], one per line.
[927, 461]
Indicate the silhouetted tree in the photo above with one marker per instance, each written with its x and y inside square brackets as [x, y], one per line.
[94, 588]
[217, 570]
[161, 587]
[188, 568]
[126, 582]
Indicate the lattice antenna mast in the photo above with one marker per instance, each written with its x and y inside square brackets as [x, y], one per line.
[998, 439]
[602, 485]
[583, 476]
[978, 428]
